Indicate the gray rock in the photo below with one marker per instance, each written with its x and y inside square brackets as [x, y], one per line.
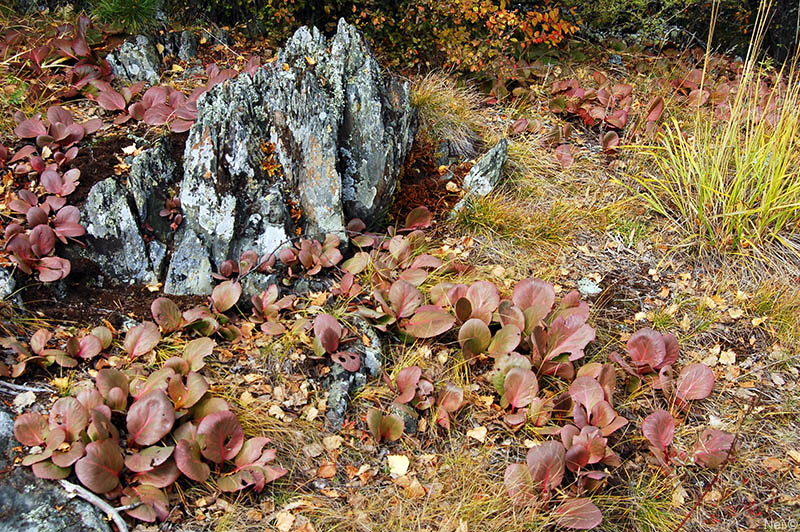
[136, 60]
[182, 45]
[588, 288]
[29, 504]
[153, 178]
[190, 267]
[318, 129]
[114, 241]
[377, 127]
[341, 383]
[157, 252]
[408, 415]
[187, 48]
[448, 152]
[7, 283]
[486, 173]
[7, 440]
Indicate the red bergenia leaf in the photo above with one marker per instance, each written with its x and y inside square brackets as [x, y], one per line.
[166, 314]
[659, 429]
[69, 414]
[223, 436]
[225, 295]
[405, 298]
[419, 218]
[713, 447]
[586, 391]
[474, 337]
[150, 418]
[519, 388]
[696, 381]
[141, 339]
[190, 461]
[348, 360]
[407, 380]
[328, 330]
[99, 470]
[429, 321]
[546, 463]
[578, 514]
[31, 429]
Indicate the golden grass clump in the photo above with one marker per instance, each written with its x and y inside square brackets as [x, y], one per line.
[734, 183]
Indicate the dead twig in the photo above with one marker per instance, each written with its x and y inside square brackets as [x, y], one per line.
[11, 388]
[77, 491]
[721, 467]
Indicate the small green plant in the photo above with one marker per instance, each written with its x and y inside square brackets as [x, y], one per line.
[131, 16]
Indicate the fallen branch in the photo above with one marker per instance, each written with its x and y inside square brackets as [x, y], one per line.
[74, 490]
[10, 387]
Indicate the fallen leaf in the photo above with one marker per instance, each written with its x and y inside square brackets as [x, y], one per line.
[773, 464]
[398, 465]
[735, 313]
[415, 490]
[679, 496]
[312, 450]
[327, 470]
[24, 400]
[284, 521]
[332, 442]
[478, 433]
[727, 357]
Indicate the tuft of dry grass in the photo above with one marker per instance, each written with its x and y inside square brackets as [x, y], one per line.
[448, 111]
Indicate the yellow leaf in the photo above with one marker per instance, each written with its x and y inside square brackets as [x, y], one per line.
[398, 465]
[478, 433]
[332, 442]
[284, 521]
[160, 48]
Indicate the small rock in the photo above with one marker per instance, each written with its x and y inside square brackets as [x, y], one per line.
[114, 241]
[588, 288]
[136, 60]
[7, 283]
[486, 173]
[408, 415]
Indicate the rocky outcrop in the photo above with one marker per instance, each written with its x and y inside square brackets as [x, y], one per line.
[140, 58]
[316, 137]
[125, 235]
[113, 235]
[300, 146]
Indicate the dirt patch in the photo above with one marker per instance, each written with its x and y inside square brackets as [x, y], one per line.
[422, 183]
[79, 300]
[96, 163]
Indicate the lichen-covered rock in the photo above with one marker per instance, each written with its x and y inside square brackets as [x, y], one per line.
[182, 45]
[7, 283]
[113, 238]
[153, 173]
[485, 174]
[190, 267]
[136, 60]
[377, 126]
[313, 138]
